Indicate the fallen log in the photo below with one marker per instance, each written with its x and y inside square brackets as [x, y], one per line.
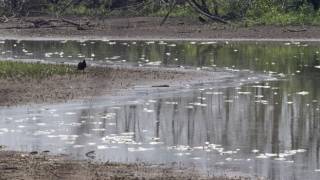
[79, 26]
[41, 22]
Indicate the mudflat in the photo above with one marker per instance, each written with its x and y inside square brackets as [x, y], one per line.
[94, 81]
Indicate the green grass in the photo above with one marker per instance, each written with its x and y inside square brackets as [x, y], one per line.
[13, 69]
[179, 11]
[260, 12]
[277, 16]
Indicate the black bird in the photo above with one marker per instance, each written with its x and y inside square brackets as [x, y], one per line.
[82, 65]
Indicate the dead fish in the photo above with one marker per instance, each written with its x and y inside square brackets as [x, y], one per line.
[164, 85]
[45, 151]
[91, 154]
[33, 152]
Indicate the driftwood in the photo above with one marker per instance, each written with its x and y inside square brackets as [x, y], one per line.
[294, 30]
[79, 26]
[4, 19]
[48, 23]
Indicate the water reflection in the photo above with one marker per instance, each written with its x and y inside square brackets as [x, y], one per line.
[256, 128]
[288, 58]
[262, 128]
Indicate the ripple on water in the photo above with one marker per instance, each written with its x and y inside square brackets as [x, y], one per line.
[303, 93]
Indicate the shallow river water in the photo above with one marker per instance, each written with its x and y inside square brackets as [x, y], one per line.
[264, 121]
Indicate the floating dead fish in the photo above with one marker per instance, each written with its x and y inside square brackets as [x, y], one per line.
[209, 42]
[271, 154]
[244, 93]
[303, 93]
[4, 130]
[148, 110]
[155, 142]
[261, 86]
[91, 154]
[189, 107]
[262, 156]
[33, 152]
[196, 158]
[45, 152]
[119, 139]
[162, 43]
[140, 149]
[163, 85]
[70, 113]
[255, 151]
[171, 102]
[154, 63]
[102, 147]
[78, 146]
[41, 124]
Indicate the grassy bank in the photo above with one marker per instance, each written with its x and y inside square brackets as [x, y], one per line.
[13, 69]
[23, 83]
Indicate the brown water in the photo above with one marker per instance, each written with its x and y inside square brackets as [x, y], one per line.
[243, 125]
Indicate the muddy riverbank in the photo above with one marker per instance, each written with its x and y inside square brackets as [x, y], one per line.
[19, 165]
[148, 28]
